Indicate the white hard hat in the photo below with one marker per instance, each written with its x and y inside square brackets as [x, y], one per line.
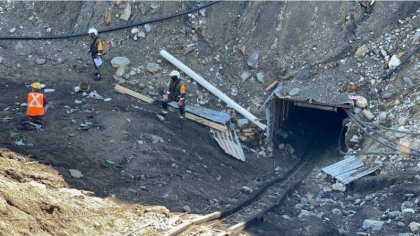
[93, 31]
[175, 73]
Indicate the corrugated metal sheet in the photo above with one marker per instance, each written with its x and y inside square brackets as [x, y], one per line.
[349, 169]
[229, 142]
[216, 116]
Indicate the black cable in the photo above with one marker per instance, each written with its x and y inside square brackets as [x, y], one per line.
[110, 29]
[403, 61]
[414, 152]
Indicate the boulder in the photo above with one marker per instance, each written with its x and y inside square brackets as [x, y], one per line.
[147, 28]
[120, 71]
[242, 123]
[362, 51]
[372, 224]
[40, 61]
[260, 77]
[120, 61]
[75, 173]
[152, 67]
[368, 114]
[246, 190]
[394, 62]
[361, 102]
[414, 227]
[339, 187]
[126, 13]
[186, 208]
[252, 61]
[245, 75]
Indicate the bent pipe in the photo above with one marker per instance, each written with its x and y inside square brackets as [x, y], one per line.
[110, 29]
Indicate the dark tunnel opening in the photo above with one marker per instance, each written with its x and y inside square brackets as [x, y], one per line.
[304, 129]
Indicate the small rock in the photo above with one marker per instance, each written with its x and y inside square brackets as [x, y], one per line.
[253, 60]
[120, 61]
[147, 28]
[354, 139]
[388, 94]
[402, 121]
[361, 102]
[337, 212]
[48, 30]
[408, 81]
[383, 52]
[358, 110]
[245, 75]
[294, 92]
[372, 224]
[368, 114]
[142, 85]
[260, 77]
[186, 208]
[286, 217]
[383, 115]
[310, 214]
[246, 190]
[408, 211]
[1, 60]
[242, 123]
[141, 34]
[12, 30]
[165, 196]
[362, 51]
[120, 71]
[339, 187]
[75, 173]
[152, 67]
[121, 81]
[394, 62]
[134, 30]
[414, 227]
[40, 61]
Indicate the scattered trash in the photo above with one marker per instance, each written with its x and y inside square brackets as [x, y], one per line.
[74, 122]
[86, 124]
[49, 90]
[109, 162]
[95, 95]
[84, 86]
[107, 99]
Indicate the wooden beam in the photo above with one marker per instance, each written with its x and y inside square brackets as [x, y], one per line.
[205, 122]
[185, 225]
[132, 93]
[272, 85]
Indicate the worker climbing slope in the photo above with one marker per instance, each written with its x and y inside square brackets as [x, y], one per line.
[36, 103]
[176, 92]
[96, 51]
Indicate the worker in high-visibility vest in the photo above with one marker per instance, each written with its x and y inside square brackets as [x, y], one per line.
[175, 92]
[36, 103]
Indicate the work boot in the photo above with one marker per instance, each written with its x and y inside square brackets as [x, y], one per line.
[164, 112]
[97, 76]
[181, 116]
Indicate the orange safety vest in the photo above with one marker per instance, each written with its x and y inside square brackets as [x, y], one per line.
[35, 103]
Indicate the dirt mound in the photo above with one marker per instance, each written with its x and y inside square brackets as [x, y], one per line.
[34, 200]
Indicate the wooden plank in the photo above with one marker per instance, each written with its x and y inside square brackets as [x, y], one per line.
[272, 85]
[205, 122]
[185, 225]
[132, 93]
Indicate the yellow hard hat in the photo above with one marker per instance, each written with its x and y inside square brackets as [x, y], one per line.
[36, 85]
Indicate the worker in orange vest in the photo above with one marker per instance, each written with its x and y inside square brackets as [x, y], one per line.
[36, 103]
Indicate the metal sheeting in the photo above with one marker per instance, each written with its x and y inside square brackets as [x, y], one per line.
[229, 142]
[349, 169]
[216, 116]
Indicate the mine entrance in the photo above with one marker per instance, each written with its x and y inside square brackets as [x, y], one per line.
[307, 126]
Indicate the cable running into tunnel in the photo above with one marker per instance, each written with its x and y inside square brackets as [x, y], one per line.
[110, 29]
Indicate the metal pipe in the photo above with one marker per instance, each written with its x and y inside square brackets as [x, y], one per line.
[212, 89]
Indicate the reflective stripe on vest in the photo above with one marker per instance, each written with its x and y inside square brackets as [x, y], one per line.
[35, 104]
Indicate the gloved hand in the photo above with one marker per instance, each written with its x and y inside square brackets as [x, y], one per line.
[180, 103]
[165, 97]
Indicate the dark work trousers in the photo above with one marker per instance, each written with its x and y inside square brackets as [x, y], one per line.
[181, 109]
[98, 69]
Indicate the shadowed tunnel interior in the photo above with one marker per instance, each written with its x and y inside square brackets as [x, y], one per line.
[308, 129]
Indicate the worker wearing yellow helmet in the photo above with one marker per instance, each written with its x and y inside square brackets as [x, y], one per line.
[96, 50]
[36, 102]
